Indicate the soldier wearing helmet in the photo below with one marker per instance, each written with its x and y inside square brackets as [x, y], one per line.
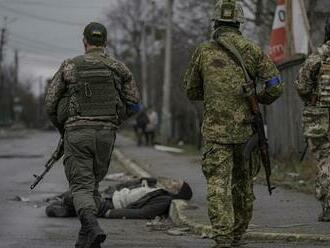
[229, 11]
[215, 77]
[87, 99]
[313, 84]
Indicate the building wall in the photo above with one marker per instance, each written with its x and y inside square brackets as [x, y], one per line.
[284, 117]
[318, 11]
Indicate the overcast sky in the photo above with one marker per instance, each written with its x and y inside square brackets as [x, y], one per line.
[47, 31]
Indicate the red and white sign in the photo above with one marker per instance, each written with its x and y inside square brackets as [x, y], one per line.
[300, 27]
[278, 40]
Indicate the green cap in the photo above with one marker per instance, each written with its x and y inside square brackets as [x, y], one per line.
[95, 34]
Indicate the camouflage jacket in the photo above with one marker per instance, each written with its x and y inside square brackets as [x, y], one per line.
[216, 78]
[308, 76]
[58, 88]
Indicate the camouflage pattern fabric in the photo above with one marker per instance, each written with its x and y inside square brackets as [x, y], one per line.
[58, 89]
[316, 120]
[228, 11]
[324, 84]
[230, 189]
[308, 77]
[320, 148]
[216, 78]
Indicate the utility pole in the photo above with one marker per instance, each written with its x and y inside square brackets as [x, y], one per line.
[16, 64]
[3, 33]
[40, 97]
[144, 66]
[152, 87]
[14, 88]
[289, 32]
[3, 40]
[166, 108]
[2, 44]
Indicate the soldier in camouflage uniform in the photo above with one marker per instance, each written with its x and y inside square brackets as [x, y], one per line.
[216, 78]
[87, 99]
[313, 85]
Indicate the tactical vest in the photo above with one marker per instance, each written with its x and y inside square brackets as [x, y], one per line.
[94, 93]
[324, 84]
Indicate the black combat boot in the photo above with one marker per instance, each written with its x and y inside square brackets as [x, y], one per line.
[95, 235]
[238, 241]
[325, 215]
[222, 244]
[82, 238]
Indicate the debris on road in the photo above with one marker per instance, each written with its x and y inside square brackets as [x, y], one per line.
[20, 199]
[159, 224]
[168, 149]
[118, 177]
[178, 231]
[293, 175]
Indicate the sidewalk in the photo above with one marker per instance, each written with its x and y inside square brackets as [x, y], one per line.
[286, 215]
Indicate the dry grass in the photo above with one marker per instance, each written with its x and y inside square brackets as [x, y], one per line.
[295, 175]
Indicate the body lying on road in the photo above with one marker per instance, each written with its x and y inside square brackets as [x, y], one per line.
[144, 198]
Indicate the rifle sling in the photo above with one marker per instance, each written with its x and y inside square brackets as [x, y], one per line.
[237, 55]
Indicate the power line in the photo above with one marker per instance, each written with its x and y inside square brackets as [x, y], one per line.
[19, 43]
[35, 56]
[35, 49]
[40, 18]
[33, 46]
[43, 44]
[57, 5]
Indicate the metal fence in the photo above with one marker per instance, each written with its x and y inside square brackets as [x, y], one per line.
[284, 117]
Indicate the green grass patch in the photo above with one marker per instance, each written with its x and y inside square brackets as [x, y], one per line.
[295, 175]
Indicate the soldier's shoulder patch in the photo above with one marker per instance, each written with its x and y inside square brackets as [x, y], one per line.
[69, 74]
[68, 65]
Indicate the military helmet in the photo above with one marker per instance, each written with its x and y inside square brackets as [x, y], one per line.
[228, 11]
[95, 34]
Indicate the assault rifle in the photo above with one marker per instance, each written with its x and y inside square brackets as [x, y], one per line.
[259, 138]
[49, 165]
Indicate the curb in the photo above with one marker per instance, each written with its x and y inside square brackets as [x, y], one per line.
[129, 165]
[177, 208]
[205, 231]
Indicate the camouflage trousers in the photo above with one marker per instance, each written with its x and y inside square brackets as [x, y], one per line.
[87, 154]
[320, 148]
[230, 190]
[316, 130]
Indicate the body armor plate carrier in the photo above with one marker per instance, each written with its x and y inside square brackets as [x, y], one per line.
[94, 94]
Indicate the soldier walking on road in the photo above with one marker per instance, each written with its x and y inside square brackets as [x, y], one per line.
[313, 85]
[215, 77]
[87, 99]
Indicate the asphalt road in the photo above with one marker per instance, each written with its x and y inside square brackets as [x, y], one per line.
[23, 224]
